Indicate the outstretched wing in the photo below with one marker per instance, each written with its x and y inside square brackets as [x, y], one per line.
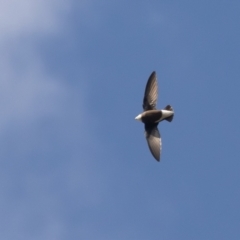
[151, 93]
[154, 140]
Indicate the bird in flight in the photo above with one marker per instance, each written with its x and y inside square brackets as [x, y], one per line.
[151, 117]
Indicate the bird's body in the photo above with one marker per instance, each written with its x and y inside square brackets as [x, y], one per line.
[151, 116]
[154, 116]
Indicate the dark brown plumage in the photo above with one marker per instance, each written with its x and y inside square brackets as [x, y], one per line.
[151, 117]
[151, 93]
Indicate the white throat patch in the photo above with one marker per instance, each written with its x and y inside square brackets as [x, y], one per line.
[139, 117]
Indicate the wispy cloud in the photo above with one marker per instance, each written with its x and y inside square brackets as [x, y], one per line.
[26, 88]
[31, 17]
[43, 165]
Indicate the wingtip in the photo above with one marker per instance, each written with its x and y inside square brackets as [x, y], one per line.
[153, 73]
[151, 93]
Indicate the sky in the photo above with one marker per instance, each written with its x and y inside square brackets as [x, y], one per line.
[74, 163]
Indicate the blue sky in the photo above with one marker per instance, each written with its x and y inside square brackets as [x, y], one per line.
[74, 164]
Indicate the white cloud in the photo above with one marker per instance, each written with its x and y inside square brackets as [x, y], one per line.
[30, 17]
[26, 89]
[31, 197]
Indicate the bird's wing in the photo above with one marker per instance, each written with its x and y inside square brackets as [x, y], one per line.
[154, 140]
[151, 93]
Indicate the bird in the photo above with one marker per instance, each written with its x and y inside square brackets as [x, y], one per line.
[151, 117]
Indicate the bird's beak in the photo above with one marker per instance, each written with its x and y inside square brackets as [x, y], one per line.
[138, 117]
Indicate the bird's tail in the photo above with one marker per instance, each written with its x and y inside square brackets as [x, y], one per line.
[169, 108]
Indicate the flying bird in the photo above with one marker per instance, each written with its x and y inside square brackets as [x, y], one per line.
[151, 117]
